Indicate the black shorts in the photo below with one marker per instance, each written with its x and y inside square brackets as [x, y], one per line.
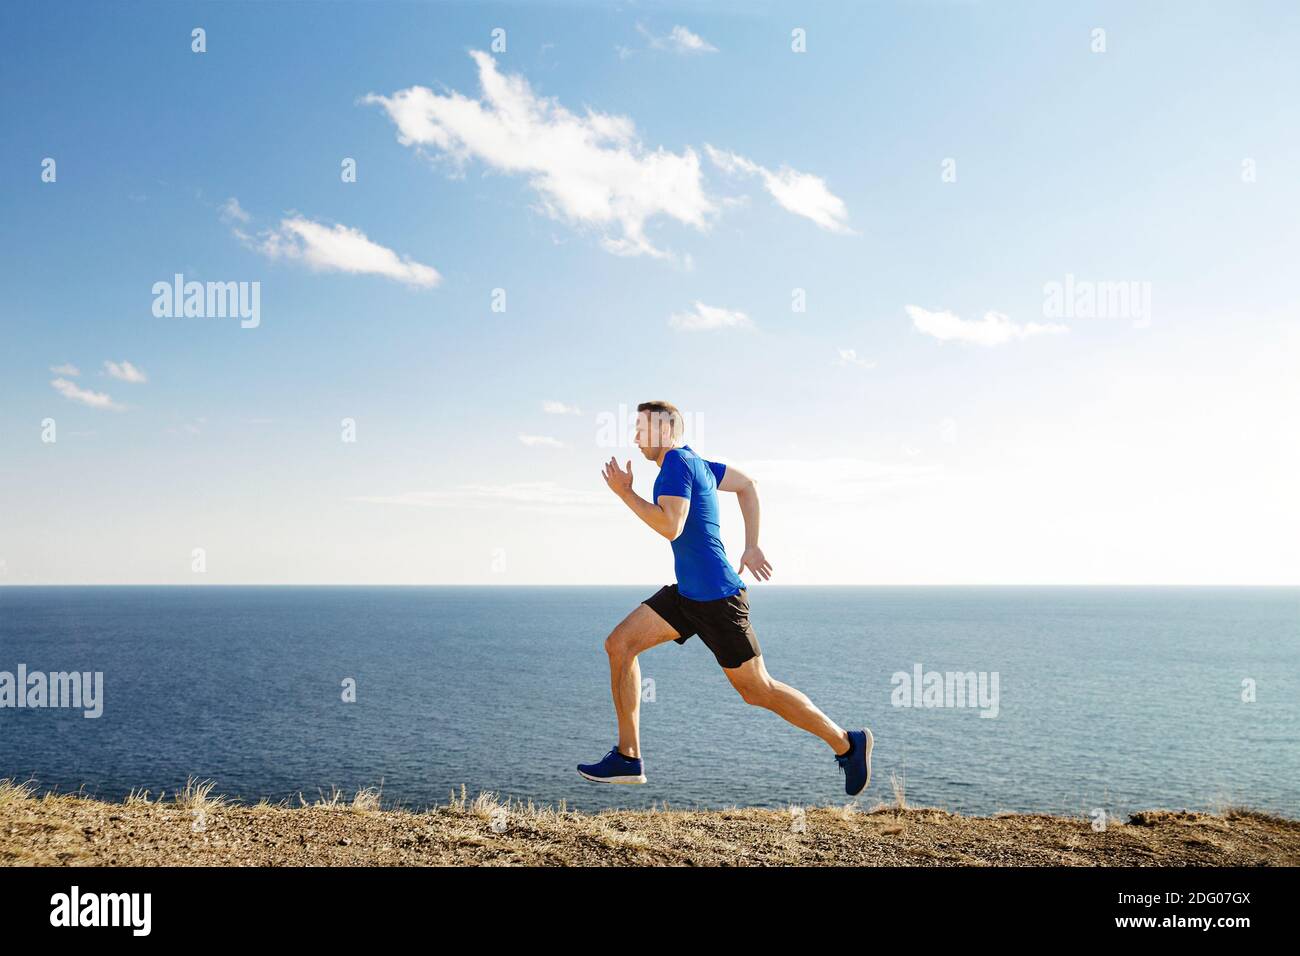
[723, 625]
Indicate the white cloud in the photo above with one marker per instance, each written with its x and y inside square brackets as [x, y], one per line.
[125, 371]
[66, 369]
[681, 40]
[541, 441]
[800, 193]
[231, 211]
[526, 495]
[559, 408]
[340, 248]
[71, 391]
[707, 317]
[850, 357]
[588, 170]
[994, 329]
[838, 479]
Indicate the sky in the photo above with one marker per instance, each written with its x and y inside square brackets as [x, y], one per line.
[980, 293]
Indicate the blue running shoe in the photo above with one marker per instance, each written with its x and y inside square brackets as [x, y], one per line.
[614, 768]
[856, 764]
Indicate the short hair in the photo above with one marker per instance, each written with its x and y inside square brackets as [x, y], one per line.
[659, 409]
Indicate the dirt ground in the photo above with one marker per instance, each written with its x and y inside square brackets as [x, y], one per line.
[195, 828]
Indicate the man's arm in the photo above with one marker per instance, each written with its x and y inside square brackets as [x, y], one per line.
[746, 490]
[667, 517]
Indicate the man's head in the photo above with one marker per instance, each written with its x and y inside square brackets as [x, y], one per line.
[658, 427]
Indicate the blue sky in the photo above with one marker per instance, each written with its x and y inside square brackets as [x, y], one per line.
[617, 182]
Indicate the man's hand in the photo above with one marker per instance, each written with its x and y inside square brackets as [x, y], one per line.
[758, 565]
[667, 515]
[619, 481]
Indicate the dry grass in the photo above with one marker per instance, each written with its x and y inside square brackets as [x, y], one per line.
[198, 827]
[11, 792]
[197, 796]
[899, 786]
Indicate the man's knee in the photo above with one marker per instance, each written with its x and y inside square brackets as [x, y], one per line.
[757, 693]
[619, 645]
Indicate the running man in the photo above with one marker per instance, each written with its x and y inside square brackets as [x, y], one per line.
[709, 599]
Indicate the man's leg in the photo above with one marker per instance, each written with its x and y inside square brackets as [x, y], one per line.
[759, 688]
[639, 631]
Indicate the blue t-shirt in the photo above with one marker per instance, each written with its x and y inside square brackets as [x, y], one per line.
[700, 560]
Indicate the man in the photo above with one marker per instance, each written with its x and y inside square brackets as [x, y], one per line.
[709, 599]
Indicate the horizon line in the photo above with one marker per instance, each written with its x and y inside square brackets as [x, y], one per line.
[292, 584]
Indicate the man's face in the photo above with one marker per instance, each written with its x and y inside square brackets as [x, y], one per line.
[652, 433]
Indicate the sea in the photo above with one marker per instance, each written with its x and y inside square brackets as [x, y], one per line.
[1063, 700]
